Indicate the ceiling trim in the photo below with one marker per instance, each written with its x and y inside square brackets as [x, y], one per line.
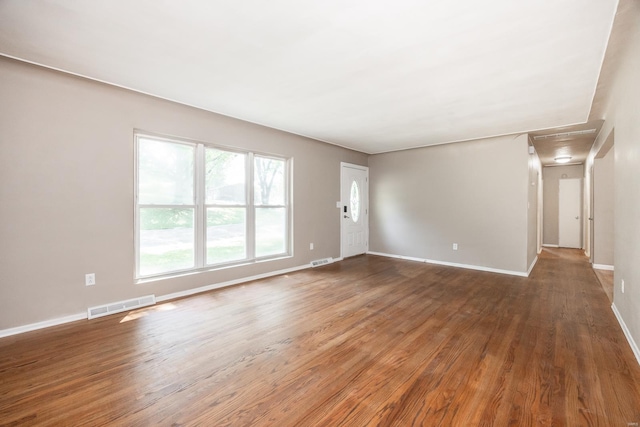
[82, 76]
[371, 153]
[602, 59]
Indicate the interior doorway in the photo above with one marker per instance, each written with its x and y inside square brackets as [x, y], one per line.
[570, 213]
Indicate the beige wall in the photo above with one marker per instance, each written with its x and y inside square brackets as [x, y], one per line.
[621, 114]
[551, 176]
[603, 213]
[66, 191]
[472, 193]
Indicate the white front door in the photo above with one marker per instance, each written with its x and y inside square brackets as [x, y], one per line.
[570, 212]
[354, 212]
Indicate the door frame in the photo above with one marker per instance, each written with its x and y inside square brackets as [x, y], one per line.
[591, 209]
[603, 151]
[342, 202]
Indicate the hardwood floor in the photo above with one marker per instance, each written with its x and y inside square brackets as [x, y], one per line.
[605, 277]
[367, 341]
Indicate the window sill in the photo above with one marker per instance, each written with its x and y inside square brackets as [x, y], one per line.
[186, 273]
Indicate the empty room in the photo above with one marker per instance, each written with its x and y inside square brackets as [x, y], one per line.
[301, 213]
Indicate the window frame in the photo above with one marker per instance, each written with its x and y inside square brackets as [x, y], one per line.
[200, 207]
[206, 206]
[287, 204]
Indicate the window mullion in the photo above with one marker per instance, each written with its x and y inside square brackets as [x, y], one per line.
[288, 208]
[251, 213]
[200, 208]
[136, 219]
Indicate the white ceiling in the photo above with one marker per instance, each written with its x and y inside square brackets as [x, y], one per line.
[372, 75]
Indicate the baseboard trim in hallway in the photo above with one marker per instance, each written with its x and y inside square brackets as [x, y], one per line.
[627, 333]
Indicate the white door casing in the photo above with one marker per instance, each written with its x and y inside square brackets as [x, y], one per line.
[570, 213]
[354, 210]
[591, 213]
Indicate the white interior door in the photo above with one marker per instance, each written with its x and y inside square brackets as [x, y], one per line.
[569, 213]
[354, 213]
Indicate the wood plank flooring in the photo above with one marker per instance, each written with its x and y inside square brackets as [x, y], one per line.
[605, 277]
[367, 341]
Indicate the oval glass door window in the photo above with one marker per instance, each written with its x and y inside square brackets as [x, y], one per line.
[355, 202]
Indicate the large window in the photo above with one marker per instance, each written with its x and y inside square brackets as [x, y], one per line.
[199, 206]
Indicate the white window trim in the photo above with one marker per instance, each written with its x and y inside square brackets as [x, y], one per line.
[200, 208]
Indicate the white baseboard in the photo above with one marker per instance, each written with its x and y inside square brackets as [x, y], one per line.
[453, 264]
[83, 315]
[232, 282]
[545, 245]
[627, 333]
[602, 267]
[533, 264]
[41, 325]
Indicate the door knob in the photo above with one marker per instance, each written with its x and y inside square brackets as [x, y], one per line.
[577, 217]
[346, 216]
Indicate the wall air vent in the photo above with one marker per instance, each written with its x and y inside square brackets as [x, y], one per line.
[565, 134]
[119, 307]
[323, 261]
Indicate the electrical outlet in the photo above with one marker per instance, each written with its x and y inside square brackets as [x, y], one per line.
[311, 246]
[455, 246]
[622, 286]
[90, 279]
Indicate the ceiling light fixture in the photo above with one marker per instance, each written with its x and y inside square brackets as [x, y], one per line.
[562, 159]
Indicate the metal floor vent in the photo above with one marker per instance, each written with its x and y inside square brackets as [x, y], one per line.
[323, 261]
[119, 307]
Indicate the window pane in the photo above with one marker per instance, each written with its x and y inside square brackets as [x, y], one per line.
[226, 235]
[225, 177]
[166, 240]
[165, 173]
[355, 201]
[270, 231]
[268, 181]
